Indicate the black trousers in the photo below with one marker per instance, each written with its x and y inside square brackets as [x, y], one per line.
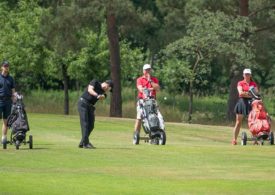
[87, 120]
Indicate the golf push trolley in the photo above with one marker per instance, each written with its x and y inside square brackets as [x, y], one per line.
[152, 122]
[18, 123]
[259, 122]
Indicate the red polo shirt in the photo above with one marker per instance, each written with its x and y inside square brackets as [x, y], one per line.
[146, 84]
[245, 86]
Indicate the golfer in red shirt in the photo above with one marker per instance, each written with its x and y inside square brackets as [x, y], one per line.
[243, 106]
[146, 81]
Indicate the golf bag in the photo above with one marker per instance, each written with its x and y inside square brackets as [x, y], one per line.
[18, 121]
[258, 120]
[151, 120]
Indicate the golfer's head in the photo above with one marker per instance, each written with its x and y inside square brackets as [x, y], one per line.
[247, 72]
[108, 85]
[146, 68]
[5, 65]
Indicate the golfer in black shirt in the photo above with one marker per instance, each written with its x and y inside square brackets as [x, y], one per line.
[94, 92]
[7, 91]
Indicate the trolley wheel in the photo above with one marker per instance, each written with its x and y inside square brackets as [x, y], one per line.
[136, 138]
[271, 138]
[17, 144]
[162, 138]
[244, 138]
[5, 144]
[30, 142]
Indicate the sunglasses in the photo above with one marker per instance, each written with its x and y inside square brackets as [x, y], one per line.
[5, 65]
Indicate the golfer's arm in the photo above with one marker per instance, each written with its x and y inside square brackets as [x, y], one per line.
[13, 95]
[155, 86]
[92, 91]
[242, 93]
[140, 88]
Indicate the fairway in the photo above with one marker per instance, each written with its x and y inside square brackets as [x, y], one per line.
[197, 159]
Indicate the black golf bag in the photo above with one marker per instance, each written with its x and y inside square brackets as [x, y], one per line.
[18, 123]
[150, 120]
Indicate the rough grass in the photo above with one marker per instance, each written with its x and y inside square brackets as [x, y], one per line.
[197, 159]
[206, 110]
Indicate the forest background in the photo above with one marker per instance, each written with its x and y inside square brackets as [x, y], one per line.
[198, 49]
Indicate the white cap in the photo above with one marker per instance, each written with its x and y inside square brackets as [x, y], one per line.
[146, 66]
[247, 71]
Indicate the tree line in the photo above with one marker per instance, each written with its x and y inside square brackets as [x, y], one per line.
[195, 47]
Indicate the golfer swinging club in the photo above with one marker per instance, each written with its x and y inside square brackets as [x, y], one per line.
[94, 92]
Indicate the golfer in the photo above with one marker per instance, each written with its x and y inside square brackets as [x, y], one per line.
[7, 92]
[94, 92]
[243, 106]
[146, 81]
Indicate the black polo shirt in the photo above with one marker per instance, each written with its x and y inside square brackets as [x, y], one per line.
[6, 86]
[97, 88]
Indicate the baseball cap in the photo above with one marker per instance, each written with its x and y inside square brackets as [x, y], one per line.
[111, 84]
[146, 66]
[5, 63]
[247, 71]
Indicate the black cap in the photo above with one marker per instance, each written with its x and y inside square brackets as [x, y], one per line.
[5, 63]
[111, 84]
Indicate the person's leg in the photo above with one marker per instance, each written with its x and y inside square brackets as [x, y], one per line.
[6, 110]
[138, 125]
[138, 119]
[83, 114]
[236, 130]
[91, 116]
[4, 130]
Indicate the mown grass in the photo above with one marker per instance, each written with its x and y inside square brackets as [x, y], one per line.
[197, 159]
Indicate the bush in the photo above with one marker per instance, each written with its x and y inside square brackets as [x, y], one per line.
[206, 110]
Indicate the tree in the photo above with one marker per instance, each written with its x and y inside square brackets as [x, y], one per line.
[209, 35]
[116, 106]
[20, 42]
[60, 31]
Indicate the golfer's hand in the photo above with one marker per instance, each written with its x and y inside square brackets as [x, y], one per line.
[101, 97]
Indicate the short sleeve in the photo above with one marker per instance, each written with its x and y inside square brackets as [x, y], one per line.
[254, 84]
[239, 84]
[155, 80]
[93, 82]
[139, 82]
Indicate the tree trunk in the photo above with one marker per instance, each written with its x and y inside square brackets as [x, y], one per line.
[244, 4]
[233, 94]
[236, 72]
[66, 89]
[113, 37]
[190, 110]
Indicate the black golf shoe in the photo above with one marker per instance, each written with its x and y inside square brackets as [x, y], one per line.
[88, 146]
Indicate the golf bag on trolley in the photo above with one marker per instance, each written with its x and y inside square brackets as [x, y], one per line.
[259, 122]
[18, 123]
[152, 121]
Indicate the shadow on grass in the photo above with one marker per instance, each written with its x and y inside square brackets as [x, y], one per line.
[113, 148]
[35, 147]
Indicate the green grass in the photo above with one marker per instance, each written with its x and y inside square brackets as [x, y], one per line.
[197, 159]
